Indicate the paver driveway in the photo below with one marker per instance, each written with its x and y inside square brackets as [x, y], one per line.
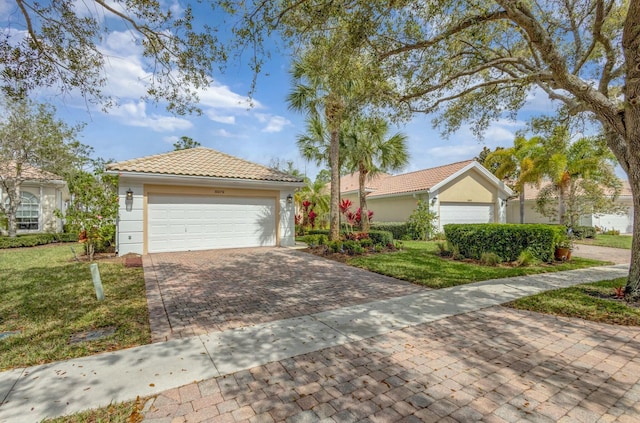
[206, 291]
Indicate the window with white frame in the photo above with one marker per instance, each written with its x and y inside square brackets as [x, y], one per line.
[28, 213]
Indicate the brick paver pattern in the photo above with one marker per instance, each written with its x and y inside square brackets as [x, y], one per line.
[494, 365]
[199, 292]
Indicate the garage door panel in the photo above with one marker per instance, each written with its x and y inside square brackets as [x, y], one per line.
[182, 223]
[466, 213]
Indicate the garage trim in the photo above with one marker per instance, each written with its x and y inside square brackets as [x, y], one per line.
[206, 192]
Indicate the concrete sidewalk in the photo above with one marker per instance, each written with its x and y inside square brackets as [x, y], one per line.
[62, 388]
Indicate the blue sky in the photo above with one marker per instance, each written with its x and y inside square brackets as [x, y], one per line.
[267, 130]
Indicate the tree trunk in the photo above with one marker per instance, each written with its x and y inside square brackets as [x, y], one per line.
[632, 289]
[12, 209]
[334, 163]
[364, 212]
[562, 207]
[522, 197]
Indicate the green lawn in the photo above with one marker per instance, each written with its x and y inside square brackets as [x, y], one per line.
[615, 241]
[419, 262]
[590, 302]
[48, 297]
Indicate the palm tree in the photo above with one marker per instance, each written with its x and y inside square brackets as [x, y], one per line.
[369, 151]
[324, 96]
[564, 162]
[517, 164]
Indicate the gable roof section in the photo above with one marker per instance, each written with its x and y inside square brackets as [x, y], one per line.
[351, 182]
[201, 161]
[31, 173]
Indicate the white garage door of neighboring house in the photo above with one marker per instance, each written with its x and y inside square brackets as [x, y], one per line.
[620, 222]
[184, 222]
[466, 213]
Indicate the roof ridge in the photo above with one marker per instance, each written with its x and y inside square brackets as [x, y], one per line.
[433, 168]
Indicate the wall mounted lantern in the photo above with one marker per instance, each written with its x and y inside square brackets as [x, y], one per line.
[289, 199]
[128, 200]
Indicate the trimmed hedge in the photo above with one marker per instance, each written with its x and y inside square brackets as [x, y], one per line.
[582, 232]
[505, 240]
[31, 240]
[399, 230]
[381, 237]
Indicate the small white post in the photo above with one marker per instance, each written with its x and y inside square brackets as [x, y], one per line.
[97, 283]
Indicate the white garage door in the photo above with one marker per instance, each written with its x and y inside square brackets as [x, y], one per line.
[619, 222]
[466, 213]
[184, 223]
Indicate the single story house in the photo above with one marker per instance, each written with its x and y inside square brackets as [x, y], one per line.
[622, 221]
[462, 192]
[198, 199]
[41, 194]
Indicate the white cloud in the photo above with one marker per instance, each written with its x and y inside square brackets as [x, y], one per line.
[170, 139]
[134, 114]
[219, 96]
[224, 133]
[211, 114]
[273, 123]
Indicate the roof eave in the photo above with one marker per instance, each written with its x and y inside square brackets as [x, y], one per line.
[203, 179]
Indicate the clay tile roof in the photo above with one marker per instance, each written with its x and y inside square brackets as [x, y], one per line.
[351, 182]
[202, 161]
[29, 172]
[419, 180]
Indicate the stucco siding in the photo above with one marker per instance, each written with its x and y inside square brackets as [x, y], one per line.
[392, 209]
[469, 187]
[130, 232]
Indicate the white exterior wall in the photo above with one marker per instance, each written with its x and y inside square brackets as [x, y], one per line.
[129, 238]
[287, 222]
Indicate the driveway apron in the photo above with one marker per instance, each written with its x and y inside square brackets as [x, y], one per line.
[199, 292]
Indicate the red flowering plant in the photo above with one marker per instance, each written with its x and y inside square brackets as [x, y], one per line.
[352, 218]
[306, 219]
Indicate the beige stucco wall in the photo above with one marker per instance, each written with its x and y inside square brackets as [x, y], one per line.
[470, 187]
[388, 209]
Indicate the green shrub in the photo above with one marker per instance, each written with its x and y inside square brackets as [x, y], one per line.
[399, 230]
[381, 237]
[352, 247]
[526, 258]
[32, 240]
[443, 249]
[455, 253]
[421, 225]
[335, 246]
[490, 259]
[366, 243]
[611, 232]
[506, 240]
[582, 232]
[318, 232]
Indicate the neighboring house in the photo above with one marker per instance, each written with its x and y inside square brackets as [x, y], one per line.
[622, 221]
[41, 193]
[463, 192]
[198, 199]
